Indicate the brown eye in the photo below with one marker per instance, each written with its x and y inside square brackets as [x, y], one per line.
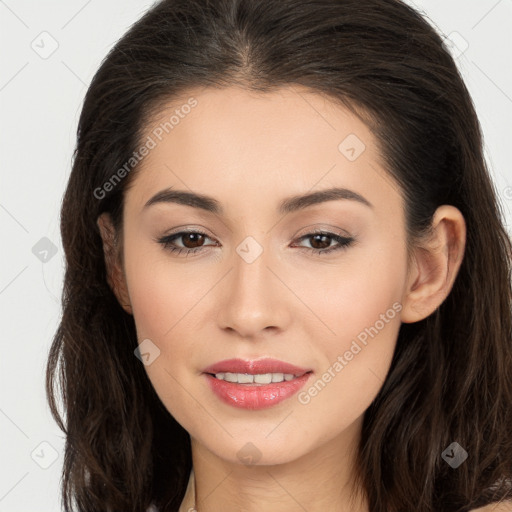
[192, 240]
[184, 241]
[189, 242]
[321, 242]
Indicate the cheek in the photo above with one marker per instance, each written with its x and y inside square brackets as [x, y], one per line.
[162, 301]
[354, 369]
[359, 306]
[352, 293]
[166, 299]
[162, 293]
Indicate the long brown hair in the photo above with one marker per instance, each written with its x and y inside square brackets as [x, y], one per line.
[451, 375]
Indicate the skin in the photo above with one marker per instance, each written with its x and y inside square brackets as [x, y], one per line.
[250, 151]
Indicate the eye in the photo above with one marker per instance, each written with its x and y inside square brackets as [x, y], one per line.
[193, 241]
[324, 239]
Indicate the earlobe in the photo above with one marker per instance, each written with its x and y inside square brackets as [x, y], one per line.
[437, 263]
[115, 274]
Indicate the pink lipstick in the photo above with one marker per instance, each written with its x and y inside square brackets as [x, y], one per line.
[257, 384]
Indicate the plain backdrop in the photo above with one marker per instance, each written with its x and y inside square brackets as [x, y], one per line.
[49, 53]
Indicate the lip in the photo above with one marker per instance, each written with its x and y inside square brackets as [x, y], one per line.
[255, 396]
[266, 365]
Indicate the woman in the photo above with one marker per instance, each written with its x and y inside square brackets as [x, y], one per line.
[287, 282]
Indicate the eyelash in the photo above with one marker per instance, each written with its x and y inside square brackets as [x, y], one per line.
[344, 242]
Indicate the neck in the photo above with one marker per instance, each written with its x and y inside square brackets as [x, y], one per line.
[319, 480]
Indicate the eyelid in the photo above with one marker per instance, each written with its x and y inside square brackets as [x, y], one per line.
[313, 229]
[188, 229]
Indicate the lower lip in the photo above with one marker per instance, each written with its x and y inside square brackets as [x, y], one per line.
[247, 396]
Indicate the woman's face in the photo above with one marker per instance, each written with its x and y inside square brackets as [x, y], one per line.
[261, 283]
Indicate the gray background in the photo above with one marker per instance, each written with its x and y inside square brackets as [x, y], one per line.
[49, 53]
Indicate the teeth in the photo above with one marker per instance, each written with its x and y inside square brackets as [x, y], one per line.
[245, 378]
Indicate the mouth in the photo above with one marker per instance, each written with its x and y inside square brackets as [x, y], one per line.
[257, 384]
[260, 368]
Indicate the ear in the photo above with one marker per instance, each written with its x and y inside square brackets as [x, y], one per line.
[115, 273]
[436, 265]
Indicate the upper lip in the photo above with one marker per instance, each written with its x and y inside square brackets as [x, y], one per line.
[259, 366]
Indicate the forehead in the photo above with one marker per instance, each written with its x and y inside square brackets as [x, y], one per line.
[251, 146]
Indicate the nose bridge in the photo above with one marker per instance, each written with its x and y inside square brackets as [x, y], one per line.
[251, 303]
[251, 277]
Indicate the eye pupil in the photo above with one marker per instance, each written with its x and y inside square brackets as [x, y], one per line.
[322, 245]
[198, 237]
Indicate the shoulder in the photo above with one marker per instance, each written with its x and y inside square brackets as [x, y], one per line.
[504, 506]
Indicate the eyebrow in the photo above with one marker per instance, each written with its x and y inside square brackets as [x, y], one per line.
[288, 205]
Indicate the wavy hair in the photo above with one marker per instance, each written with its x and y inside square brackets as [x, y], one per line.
[451, 375]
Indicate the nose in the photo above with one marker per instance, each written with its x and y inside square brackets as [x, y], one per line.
[253, 299]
